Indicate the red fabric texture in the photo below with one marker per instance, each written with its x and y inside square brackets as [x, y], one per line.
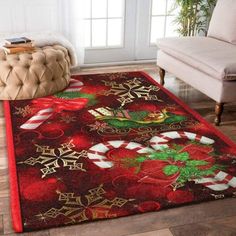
[15, 202]
[120, 145]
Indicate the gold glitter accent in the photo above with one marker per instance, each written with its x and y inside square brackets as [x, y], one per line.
[51, 158]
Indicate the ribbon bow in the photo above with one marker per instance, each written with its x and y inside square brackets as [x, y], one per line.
[60, 104]
[50, 106]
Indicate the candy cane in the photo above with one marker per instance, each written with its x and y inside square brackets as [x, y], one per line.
[98, 152]
[35, 121]
[42, 115]
[221, 181]
[75, 85]
[160, 141]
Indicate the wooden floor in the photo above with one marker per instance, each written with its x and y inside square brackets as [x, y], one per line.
[217, 218]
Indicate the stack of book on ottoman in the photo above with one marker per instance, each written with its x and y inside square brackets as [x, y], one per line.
[18, 45]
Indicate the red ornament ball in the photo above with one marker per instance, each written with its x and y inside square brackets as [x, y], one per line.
[51, 130]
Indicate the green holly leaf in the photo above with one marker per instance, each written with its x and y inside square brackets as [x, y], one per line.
[196, 163]
[164, 154]
[170, 151]
[191, 171]
[211, 171]
[184, 156]
[141, 159]
[187, 173]
[206, 172]
[159, 156]
[170, 170]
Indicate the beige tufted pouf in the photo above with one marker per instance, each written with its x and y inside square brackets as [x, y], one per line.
[35, 74]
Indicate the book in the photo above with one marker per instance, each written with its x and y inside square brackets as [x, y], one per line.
[18, 50]
[18, 40]
[23, 45]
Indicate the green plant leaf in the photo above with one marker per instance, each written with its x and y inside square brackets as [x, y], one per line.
[184, 156]
[159, 156]
[194, 16]
[187, 173]
[196, 163]
[141, 159]
[170, 169]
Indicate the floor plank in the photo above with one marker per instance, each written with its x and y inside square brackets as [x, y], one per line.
[1, 224]
[7, 224]
[40, 233]
[3, 174]
[162, 232]
[221, 227]
[4, 205]
[1, 109]
[228, 221]
[4, 189]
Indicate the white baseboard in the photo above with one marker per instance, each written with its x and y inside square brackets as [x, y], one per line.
[119, 63]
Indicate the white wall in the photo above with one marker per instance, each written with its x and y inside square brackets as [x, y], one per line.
[26, 16]
[30, 15]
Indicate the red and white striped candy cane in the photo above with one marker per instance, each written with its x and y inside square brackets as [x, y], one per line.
[160, 141]
[75, 85]
[35, 121]
[41, 116]
[98, 152]
[221, 181]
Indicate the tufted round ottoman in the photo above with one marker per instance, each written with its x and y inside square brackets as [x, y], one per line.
[36, 74]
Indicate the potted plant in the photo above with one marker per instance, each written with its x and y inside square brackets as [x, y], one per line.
[194, 16]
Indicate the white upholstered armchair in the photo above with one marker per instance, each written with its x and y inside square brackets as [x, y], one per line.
[206, 63]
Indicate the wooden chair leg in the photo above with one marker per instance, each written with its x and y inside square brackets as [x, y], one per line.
[218, 111]
[162, 73]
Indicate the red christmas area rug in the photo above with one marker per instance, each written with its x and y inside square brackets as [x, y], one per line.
[111, 145]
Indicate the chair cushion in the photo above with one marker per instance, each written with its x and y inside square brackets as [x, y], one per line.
[223, 21]
[211, 56]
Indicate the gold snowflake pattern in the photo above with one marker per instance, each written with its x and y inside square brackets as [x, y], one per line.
[55, 158]
[67, 119]
[98, 126]
[24, 111]
[130, 90]
[81, 208]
